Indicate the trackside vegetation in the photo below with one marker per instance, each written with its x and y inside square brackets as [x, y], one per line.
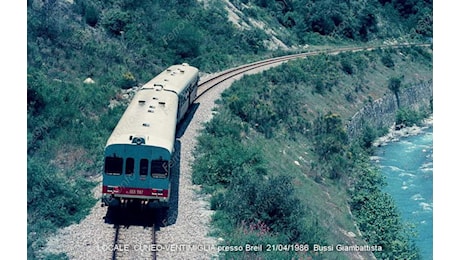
[281, 169]
[118, 44]
[114, 45]
[351, 20]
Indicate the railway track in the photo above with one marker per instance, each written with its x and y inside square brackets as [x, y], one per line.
[139, 242]
[212, 81]
[134, 242]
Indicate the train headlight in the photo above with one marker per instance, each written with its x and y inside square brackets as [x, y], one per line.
[113, 189]
[160, 193]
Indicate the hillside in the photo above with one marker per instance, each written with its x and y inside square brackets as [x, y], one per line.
[123, 43]
[281, 169]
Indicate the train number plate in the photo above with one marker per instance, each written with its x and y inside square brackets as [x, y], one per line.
[135, 192]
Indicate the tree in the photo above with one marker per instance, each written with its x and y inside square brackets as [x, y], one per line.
[394, 85]
[91, 15]
[330, 144]
[115, 21]
[330, 136]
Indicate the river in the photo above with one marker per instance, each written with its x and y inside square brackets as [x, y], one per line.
[408, 168]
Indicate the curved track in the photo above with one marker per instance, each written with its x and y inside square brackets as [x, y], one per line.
[136, 236]
[215, 80]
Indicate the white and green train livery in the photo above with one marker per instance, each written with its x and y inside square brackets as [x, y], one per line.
[140, 150]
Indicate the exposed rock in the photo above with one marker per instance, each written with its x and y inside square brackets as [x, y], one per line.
[381, 113]
[89, 81]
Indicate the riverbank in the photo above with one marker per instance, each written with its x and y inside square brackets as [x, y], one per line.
[395, 133]
[407, 167]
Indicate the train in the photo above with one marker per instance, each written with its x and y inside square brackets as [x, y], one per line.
[139, 153]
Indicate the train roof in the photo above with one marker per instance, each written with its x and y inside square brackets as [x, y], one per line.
[151, 116]
[175, 78]
[150, 119]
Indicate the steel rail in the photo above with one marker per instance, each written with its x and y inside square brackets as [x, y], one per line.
[215, 80]
[116, 242]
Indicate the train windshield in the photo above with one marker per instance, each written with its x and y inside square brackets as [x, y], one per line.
[113, 165]
[144, 167]
[159, 168]
[129, 168]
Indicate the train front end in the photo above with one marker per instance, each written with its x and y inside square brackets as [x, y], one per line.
[139, 152]
[136, 173]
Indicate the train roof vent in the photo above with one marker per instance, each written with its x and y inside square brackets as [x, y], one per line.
[158, 87]
[146, 124]
[141, 102]
[138, 140]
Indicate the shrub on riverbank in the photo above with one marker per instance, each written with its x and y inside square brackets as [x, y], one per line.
[377, 216]
[409, 117]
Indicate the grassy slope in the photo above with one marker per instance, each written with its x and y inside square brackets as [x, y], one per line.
[327, 200]
[373, 81]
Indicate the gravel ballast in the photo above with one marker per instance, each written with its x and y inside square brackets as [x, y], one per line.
[186, 238]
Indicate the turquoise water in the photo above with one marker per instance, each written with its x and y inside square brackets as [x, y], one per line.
[408, 168]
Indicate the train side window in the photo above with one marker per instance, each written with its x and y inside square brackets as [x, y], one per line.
[144, 167]
[129, 168]
[159, 168]
[113, 165]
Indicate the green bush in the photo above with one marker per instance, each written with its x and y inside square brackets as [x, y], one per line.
[368, 136]
[221, 156]
[91, 15]
[272, 112]
[265, 210]
[377, 216]
[53, 201]
[329, 136]
[347, 67]
[53, 197]
[127, 80]
[115, 21]
[387, 60]
[266, 202]
[226, 159]
[329, 144]
[408, 117]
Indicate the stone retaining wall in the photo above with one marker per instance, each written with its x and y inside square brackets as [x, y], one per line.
[381, 113]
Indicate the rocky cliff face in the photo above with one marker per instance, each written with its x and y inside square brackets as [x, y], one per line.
[381, 113]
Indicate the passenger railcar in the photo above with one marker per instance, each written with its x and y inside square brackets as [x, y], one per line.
[139, 153]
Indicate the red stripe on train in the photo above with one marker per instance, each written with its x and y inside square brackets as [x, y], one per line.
[134, 191]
